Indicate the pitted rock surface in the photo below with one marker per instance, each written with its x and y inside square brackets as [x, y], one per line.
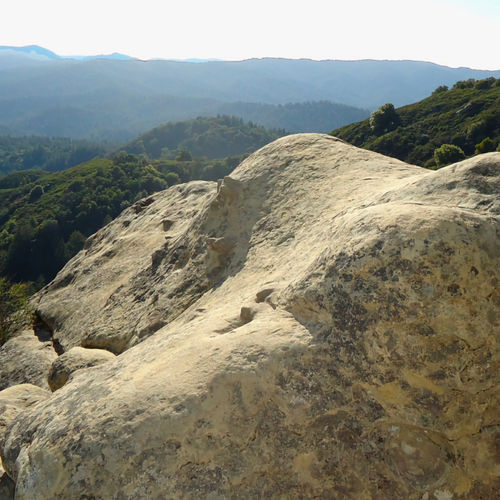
[322, 324]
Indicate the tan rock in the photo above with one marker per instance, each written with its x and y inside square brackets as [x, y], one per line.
[14, 401]
[345, 346]
[106, 296]
[75, 359]
[25, 359]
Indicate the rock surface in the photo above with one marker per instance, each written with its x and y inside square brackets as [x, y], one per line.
[75, 359]
[324, 323]
[17, 399]
[26, 359]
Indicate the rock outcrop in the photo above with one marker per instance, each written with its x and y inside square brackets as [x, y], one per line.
[323, 323]
[75, 359]
[26, 359]
[14, 401]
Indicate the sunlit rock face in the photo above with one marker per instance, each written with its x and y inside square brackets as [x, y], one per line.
[323, 323]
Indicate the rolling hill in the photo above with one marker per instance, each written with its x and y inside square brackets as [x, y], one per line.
[464, 116]
[46, 153]
[203, 137]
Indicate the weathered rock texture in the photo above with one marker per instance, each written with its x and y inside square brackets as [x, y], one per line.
[16, 399]
[75, 359]
[26, 359]
[321, 324]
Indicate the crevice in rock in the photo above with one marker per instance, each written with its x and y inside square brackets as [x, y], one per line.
[57, 347]
[44, 333]
[41, 329]
[263, 295]
[7, 487]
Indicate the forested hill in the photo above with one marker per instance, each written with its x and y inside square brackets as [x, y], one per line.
[467, 117]
[50, 154]
[315, 116]
[211, 138]
[202, 137]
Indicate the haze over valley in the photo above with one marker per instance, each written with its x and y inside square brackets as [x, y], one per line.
[112, 99]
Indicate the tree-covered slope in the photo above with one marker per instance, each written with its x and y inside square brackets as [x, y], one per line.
[45, 218]
[464, 116]
[51, 154]
[294, 117]
[203, 137]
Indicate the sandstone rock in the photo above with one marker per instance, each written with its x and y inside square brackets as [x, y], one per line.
[26, 359]
[75, 359]
[346, 346]
[106, 297]
[14, 401]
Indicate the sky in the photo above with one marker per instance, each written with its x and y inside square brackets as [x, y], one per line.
[450, 32]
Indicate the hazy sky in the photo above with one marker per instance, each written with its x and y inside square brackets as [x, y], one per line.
[450, 32]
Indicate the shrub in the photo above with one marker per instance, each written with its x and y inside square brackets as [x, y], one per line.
[465, 84]
[448, 153]
[441, 88]
[486, 83]
[485, 146]
[172, 178]
[384, 119]
[184, 155]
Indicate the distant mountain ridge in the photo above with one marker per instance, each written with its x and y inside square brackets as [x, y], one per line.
[43, 53]
[118, 99]
[32, 50]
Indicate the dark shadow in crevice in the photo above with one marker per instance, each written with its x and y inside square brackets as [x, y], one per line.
[45, 334]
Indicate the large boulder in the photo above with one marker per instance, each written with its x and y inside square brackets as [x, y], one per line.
[323, 323]
[14, 401]
[75, 359]
[26, 359]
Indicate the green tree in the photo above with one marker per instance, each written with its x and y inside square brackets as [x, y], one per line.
[75, 244]
[48, 242]
[384, 119]
[486, 83]
[465, 84]
[485, 146]
[172, 178]
[18, 261]
[448, 153]
[441, 88]
[14, 308]
[184, 155]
